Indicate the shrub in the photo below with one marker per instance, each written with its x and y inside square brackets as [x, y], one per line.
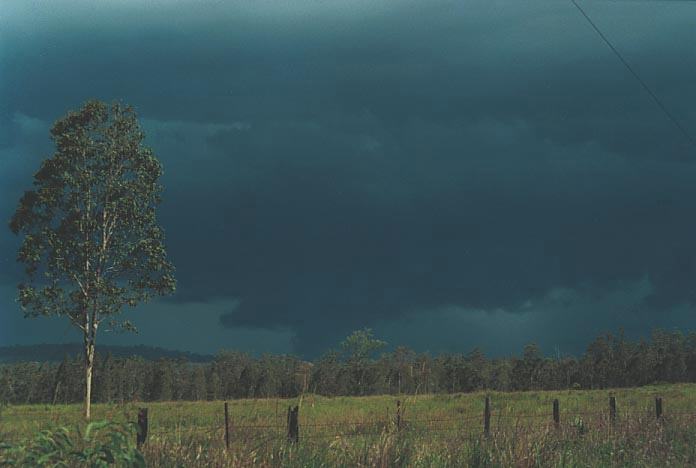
[102, 444]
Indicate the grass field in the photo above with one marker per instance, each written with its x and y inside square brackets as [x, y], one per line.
[435, 430]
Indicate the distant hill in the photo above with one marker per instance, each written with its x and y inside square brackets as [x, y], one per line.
[56, 352]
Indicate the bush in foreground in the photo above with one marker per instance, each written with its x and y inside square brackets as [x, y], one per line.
[100, 444]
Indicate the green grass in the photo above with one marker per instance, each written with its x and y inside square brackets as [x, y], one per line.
[437, 430]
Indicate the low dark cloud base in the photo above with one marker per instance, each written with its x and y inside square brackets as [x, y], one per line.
[327, 171]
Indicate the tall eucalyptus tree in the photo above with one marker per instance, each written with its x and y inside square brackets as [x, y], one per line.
[91, 241]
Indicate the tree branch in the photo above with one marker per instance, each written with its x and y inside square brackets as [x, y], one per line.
[79, 283]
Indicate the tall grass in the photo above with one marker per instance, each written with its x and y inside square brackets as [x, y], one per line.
[671, 443]
[100, 444]
[436, 430]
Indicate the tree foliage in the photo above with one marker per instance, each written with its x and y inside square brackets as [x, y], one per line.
[91, 242]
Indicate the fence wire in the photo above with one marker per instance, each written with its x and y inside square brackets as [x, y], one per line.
[469, 423]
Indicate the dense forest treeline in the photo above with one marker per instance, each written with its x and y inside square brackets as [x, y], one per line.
[609, 361]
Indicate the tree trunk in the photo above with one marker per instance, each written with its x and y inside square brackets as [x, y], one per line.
[89, 364]
[56, 387]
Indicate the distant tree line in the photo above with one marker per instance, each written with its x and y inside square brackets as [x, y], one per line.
[55, 352]
[610, 361]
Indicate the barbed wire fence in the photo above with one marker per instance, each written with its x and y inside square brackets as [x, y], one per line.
[293, 431]
[470, 423]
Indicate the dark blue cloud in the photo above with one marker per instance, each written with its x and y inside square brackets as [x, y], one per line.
[329, 167]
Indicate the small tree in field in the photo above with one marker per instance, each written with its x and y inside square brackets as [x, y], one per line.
[91, 242]
[358, 347]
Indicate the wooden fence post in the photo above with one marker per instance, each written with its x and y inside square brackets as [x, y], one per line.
[398, 415]
[658, 408]
[556, 413]
[487, 417]
[612, 409]
[142, 427]
[293, 425]
[227, 427]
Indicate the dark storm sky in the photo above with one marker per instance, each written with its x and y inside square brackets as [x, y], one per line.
[450, 173]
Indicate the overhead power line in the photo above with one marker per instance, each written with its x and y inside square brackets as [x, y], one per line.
[647, 89]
